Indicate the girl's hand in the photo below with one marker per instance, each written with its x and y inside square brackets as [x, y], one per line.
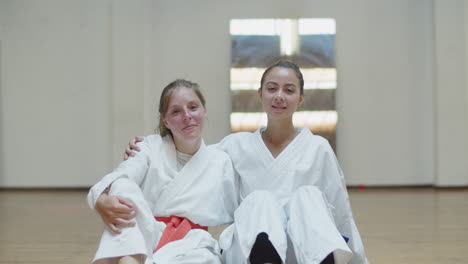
[129, 151]
[116, 212]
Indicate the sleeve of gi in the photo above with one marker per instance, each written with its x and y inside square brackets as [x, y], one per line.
[231, 190]
[337, 195]
[134, 168]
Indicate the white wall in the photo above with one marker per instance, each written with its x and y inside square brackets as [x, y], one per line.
[465, 73]
[128, 67]
[55, 92]
[79, 78]
[384, 96]
[451, 93]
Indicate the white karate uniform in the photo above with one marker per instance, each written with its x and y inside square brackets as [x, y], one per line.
[298, 198]
[204, 191]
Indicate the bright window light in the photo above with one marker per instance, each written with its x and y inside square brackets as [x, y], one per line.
[315, 120]
[314, 78]
[272, 27]
[317, 26]
[266, 27]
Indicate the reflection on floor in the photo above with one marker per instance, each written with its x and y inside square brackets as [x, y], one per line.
[397, 226]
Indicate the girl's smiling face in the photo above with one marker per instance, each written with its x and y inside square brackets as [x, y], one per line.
[185, 115]
[280, 93]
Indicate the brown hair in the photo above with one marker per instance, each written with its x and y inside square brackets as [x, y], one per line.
[166, 95]
[288, 65]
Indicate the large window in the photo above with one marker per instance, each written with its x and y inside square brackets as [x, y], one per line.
[310, 43]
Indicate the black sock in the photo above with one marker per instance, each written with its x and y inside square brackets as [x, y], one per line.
[329, 259]
[263, 251]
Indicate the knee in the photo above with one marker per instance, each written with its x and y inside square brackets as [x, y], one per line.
[308, 197]
[124, 186]
[305, 194]
[308, 190]
[259, 201]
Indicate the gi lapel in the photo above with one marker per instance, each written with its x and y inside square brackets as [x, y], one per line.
[281, 166]
[169, 157]
[185, 178]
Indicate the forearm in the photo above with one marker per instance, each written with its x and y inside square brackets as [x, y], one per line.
[100, 188]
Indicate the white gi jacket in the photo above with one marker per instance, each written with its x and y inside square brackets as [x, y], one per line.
[204, 191]
[298, 198]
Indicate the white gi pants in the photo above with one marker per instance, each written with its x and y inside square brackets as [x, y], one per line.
[304, 223]
[196, 247]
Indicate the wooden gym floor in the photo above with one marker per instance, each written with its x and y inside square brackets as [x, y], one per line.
[405, 226]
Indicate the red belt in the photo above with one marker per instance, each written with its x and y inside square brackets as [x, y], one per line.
[176, 228]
